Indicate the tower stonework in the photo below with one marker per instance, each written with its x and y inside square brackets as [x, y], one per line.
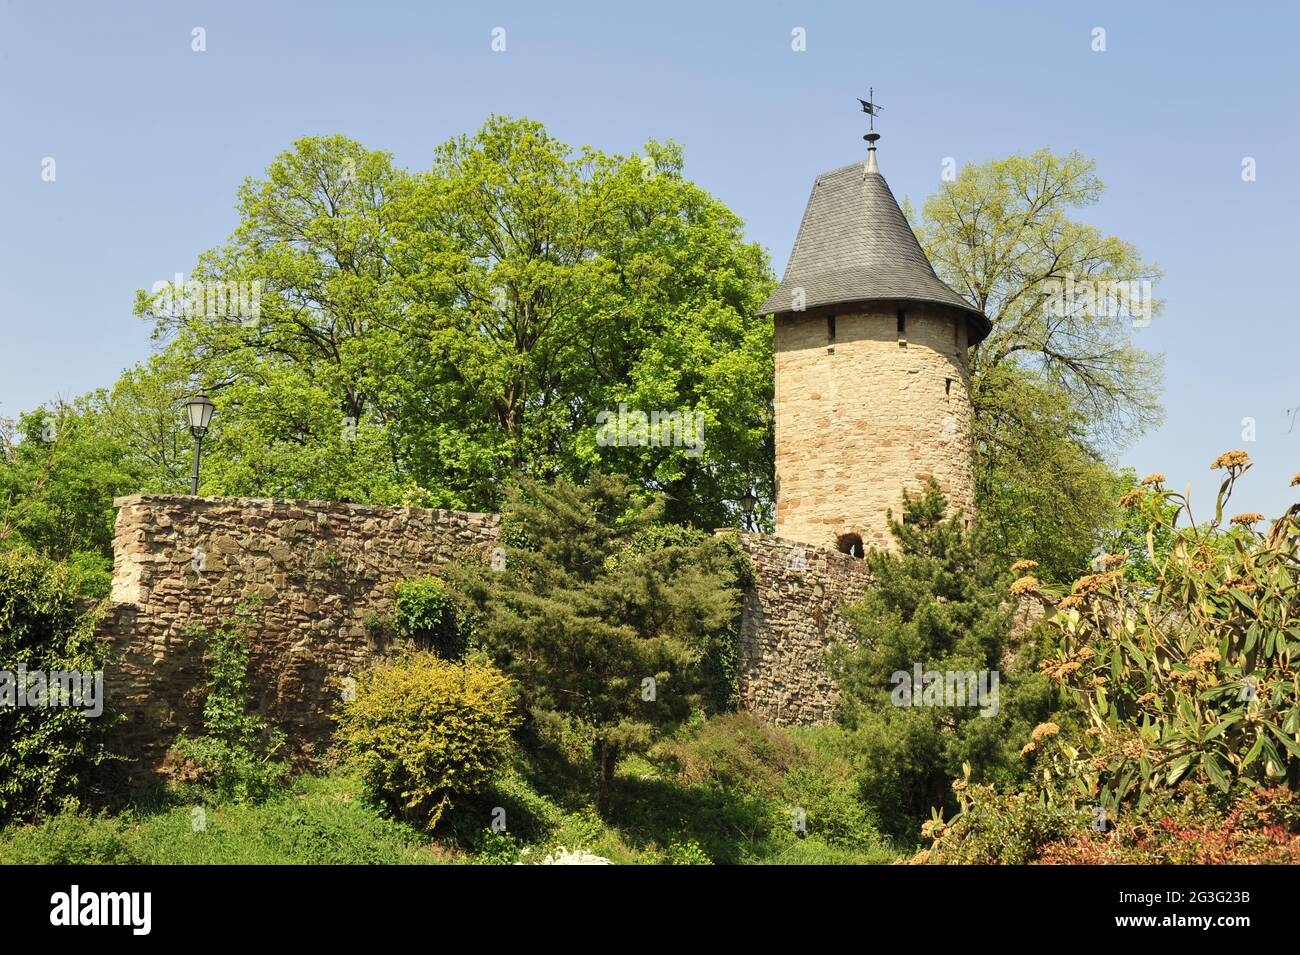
[872, 377]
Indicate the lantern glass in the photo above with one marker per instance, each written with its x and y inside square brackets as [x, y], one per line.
[200, 409]
[748, 501]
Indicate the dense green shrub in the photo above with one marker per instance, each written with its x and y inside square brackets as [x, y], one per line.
[734, 751]
[428, 614]
[235, 757]
[939, 603]
[46, 752]
[720, 657]
[605, 619]
[423, 730]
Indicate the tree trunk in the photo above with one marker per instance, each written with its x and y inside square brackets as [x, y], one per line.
[606, 756]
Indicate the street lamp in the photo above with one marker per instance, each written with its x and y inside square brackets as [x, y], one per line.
[747, 503]
[199, 410]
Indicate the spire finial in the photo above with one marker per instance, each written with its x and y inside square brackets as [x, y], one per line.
[870, 107]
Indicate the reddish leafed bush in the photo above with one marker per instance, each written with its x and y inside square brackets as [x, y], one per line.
[1261, 828]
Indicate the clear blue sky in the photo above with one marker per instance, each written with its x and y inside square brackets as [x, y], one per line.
[151, 140]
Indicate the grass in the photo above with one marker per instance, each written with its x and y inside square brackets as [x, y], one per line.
[727, 791]
[320, 820]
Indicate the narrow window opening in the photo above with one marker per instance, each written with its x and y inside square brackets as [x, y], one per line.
[830, 333]
[850, 544]
[902, 327]
[947, 386]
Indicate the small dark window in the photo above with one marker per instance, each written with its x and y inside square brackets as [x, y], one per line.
[947, 386]
[850, 544]
[830, 329]
[902, 323]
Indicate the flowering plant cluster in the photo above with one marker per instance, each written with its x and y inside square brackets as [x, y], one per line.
[1192, 681]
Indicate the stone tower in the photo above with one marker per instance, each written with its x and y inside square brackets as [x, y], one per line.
[872, 381]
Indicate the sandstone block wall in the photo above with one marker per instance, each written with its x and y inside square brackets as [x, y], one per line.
[791, 615]
[320, 569]
[867, 415]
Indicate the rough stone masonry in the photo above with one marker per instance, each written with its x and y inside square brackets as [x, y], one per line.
[325, 571]
[321, 570]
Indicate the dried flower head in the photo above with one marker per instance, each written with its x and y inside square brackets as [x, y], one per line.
[1069, 602]
[1239, 582]
[1156, 478]
[1229, 460]
[1250, 517]
[1094, 582]
[1021, 566]
[1295, 480]
[1203, 659]
[1133, 498]
[1024, 585]
[1044, 730]
[1028, 748]
[1113, 560]
[1145, 698]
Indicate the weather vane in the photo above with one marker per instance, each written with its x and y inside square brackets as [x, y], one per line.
[870, 107]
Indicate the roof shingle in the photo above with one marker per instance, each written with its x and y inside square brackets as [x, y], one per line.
[854, 245]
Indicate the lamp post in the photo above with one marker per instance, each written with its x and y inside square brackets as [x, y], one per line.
[199, 410]
[747, 503]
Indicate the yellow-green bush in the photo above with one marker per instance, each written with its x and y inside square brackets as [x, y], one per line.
[422, 730]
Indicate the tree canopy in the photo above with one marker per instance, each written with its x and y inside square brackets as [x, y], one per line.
[421, 334]
[1059, 383]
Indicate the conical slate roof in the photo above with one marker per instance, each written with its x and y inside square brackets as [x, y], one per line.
[855, 245]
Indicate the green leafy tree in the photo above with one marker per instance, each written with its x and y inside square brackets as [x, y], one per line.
[296, 369]
[59, 473]
[1044, 493]
[598, 619]
[939, 602]
[1059, 380]
[419, 334]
